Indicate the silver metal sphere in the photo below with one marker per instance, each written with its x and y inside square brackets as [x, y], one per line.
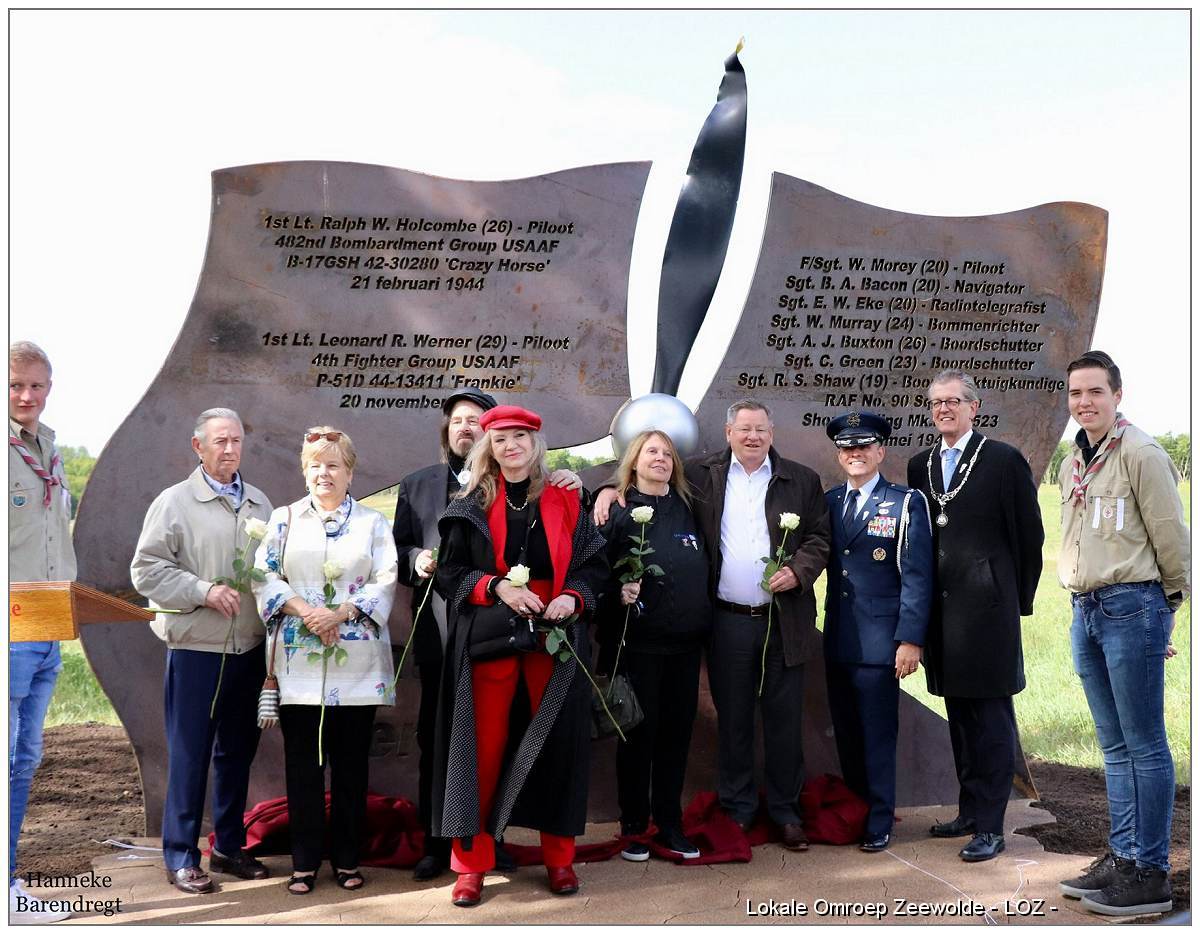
[659, 412]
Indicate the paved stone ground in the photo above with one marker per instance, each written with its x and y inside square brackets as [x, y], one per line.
[825, 885]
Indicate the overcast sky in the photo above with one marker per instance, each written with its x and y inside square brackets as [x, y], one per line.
[117, 119]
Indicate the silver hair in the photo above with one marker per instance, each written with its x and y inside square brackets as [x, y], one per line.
[28, 352]
[970, 387]
[208, 415]
[752, 405]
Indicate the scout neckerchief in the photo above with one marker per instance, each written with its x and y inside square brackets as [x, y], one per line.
[48, 478]
[1081, 477]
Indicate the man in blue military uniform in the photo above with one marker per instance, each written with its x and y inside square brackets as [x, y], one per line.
[877, 601]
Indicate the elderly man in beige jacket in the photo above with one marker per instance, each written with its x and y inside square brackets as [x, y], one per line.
[191, 535]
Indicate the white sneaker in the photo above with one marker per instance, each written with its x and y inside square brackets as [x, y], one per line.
[23, 908]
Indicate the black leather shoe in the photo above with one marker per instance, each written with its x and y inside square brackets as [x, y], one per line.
[428, 867]
[191, 879]
[244, 866]
[959, 827]
[504, 859]
[876, 844]
[982, 846]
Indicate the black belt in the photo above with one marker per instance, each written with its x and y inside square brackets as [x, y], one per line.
[742, 609]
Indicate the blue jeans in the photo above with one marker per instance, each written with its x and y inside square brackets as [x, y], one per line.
[33, 668]
[1119, 643]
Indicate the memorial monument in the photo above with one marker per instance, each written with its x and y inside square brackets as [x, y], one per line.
[359, 296]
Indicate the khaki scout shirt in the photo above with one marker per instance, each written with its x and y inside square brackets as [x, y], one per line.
[1130, 528]
[39, 536]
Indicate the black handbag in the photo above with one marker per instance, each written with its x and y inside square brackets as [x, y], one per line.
[622, 704]
[496, 631]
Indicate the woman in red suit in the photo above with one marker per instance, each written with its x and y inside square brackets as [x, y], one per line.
[507, 520]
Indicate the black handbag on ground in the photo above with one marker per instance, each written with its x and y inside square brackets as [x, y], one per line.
[496, 631]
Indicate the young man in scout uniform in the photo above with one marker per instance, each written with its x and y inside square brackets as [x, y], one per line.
[1126, 559]
[879, 587]
[39, 549]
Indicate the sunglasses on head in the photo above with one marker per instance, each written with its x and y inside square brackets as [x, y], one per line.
[312, 436]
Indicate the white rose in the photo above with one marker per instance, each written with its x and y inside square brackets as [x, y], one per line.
[256, 529]
[518, 575]
[642, 514]
[789, 521]
[332, 571]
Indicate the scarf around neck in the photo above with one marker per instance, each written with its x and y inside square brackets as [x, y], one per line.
[1081, 476]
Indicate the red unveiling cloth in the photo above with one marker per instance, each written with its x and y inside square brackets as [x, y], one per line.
[832, 814]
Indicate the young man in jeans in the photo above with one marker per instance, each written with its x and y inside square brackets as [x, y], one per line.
[39, 549]
[1125, 558]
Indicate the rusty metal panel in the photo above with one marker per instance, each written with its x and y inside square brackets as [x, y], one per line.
[360, 296]
[854, 306]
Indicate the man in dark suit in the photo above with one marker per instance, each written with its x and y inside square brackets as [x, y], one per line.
[987, 539]
[879, 585]
[421, 500]
[420, 503]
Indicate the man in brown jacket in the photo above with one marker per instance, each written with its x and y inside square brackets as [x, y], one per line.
[741, 493]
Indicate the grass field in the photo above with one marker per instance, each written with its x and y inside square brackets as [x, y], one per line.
[1052, 712]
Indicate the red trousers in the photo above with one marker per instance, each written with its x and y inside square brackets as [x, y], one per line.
[493, 686]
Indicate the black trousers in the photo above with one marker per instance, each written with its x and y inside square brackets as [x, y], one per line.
[347, 742]
[734, 666]
[652, 764]
[983, 734]
[864, 702]
[431, 680]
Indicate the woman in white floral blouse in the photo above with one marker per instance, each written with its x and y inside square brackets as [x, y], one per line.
[330, 566]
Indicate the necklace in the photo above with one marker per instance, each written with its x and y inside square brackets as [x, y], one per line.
[943, 499]
[335, 522]
[513, 506]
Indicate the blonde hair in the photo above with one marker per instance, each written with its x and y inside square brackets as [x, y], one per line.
[313, 449]
[485, 470]
[28, 352]
[625, 476]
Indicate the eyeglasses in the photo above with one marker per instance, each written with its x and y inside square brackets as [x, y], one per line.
[952, 403]
[333, 436]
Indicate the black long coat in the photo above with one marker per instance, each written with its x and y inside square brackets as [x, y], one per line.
[988, 559]
[544, 780]
[420, 503]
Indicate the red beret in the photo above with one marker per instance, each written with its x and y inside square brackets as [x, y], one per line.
[510, 416]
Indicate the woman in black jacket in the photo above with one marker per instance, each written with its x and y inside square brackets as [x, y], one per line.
[513, 546]
[669, 620]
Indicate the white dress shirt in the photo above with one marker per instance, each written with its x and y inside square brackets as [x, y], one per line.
[745, 538]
